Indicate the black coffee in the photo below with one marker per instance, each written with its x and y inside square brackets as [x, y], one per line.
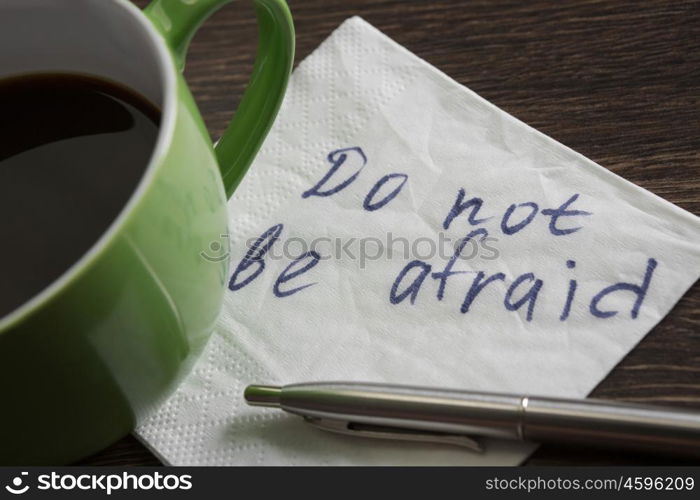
[72, 151]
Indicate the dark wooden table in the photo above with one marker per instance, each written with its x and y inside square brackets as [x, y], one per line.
[618, 81]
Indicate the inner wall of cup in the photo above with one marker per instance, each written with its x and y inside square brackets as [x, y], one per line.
[97, 37]
[102, 38]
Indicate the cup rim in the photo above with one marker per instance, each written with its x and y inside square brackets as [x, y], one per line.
[168, 73]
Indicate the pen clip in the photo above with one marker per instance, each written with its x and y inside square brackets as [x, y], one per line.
[397, 433]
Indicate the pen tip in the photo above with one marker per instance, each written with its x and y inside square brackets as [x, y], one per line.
[263, 395]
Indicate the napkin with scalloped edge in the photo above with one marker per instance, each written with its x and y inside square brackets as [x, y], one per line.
[580, 263]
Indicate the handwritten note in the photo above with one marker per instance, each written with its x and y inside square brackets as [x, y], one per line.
[405, 287]
[397, 227]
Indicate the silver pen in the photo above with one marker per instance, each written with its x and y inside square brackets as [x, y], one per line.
[461, 417]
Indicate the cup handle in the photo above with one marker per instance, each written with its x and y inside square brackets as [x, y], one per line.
[178, 20]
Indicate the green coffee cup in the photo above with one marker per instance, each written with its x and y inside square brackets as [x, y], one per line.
[83, 361]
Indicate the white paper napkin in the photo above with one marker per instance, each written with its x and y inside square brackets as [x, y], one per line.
[561, 230]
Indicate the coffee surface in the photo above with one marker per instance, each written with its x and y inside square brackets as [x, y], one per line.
[72, 151]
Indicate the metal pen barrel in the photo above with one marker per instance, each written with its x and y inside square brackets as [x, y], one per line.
[445, 411]
[608, 424]
[587, 422]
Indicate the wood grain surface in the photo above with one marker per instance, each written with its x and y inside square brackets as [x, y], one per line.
[618, 81]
